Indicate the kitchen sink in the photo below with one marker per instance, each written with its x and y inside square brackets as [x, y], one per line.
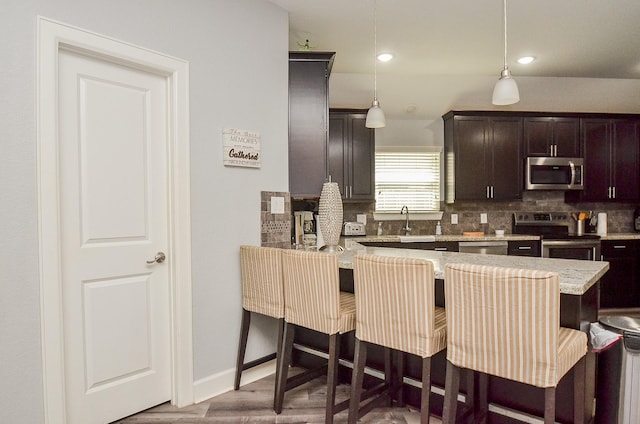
[417, 239]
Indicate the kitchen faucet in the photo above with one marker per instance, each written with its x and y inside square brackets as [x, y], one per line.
[405, 210]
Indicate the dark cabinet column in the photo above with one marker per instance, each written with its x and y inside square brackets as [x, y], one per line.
[597, 157]
[625, 175]
[506, 150]
[362, 163]
[308, 121]
[338, 154]
[352, 154]
[611, 149]
[470, 151]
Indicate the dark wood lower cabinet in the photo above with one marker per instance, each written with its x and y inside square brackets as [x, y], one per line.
[620, 286]
[575, 312]
[525, 248]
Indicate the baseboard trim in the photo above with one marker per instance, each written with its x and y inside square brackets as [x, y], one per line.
[217, 384]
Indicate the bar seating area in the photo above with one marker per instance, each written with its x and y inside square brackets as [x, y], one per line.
[498, 322]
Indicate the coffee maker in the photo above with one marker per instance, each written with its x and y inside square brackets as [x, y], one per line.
[305, 229]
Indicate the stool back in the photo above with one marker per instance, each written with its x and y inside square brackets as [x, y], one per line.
[262, 280]
[312, 290]
[504, 322]
[395, 304]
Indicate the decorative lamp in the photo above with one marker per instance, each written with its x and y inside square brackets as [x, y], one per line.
[330, 216]
[375, 116]
[505, 91]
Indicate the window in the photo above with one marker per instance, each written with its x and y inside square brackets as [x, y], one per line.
[408, 178]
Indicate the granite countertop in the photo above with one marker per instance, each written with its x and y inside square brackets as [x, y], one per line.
[576, 276]
[506, 237]
[451, 237]
[621, 236]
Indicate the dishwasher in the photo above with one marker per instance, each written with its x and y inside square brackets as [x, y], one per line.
[484, 247]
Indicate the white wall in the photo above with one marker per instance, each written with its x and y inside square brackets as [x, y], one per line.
[411, 133]
[237, 52]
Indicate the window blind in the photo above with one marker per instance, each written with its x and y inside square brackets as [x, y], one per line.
[407, 178]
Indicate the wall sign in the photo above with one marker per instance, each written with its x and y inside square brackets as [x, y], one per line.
[241, 148]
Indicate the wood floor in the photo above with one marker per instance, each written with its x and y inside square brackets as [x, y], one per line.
[253, 402]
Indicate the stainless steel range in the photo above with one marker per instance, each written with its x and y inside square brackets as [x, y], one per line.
[558, 237]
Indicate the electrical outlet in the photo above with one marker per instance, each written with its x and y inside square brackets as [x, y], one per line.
[454, 218]
[483, 218]
[361, 218]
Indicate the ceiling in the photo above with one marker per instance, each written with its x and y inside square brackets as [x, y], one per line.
[449, 53]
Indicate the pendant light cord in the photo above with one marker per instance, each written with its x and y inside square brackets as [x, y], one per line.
[505, 32]
[375, 50]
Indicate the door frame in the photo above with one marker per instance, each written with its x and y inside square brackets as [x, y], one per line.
[53, 37]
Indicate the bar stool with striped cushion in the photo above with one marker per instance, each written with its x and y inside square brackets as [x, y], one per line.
[262, 293]
[395, 308]
[506, 322]
[314, 301]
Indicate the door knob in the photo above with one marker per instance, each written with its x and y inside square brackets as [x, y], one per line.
[159, 258]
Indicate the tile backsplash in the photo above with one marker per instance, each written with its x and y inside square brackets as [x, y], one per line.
[275, 228]
[499, 214]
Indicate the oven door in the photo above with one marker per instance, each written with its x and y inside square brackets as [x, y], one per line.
[571, 249]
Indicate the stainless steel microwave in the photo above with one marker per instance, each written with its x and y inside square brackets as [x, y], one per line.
[554, 173]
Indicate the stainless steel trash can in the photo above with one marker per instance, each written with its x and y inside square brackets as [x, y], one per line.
[618, 383]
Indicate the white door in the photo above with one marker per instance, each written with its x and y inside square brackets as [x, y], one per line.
[113, 219]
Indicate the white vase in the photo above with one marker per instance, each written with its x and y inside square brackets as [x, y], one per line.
[330, 216]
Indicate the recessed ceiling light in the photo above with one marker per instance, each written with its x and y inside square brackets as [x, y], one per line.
[385, 57]
[526, 60]
[411, 109]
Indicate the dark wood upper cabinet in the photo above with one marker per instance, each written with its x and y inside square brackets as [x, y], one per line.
[483, 156]
[308, 121]
[352, 154]
[611, 149]
[551, 136]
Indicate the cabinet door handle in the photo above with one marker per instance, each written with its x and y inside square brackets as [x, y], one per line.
[614, 192]
[618, 246]
[444, 249]
[488, 192]
[608, 192]
[492, 192]
[524, 248]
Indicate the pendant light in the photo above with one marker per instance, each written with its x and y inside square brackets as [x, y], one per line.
[375, 115]
[506, 90]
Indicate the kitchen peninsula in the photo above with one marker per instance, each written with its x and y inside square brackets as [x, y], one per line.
[579, 298]
[576, 277]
